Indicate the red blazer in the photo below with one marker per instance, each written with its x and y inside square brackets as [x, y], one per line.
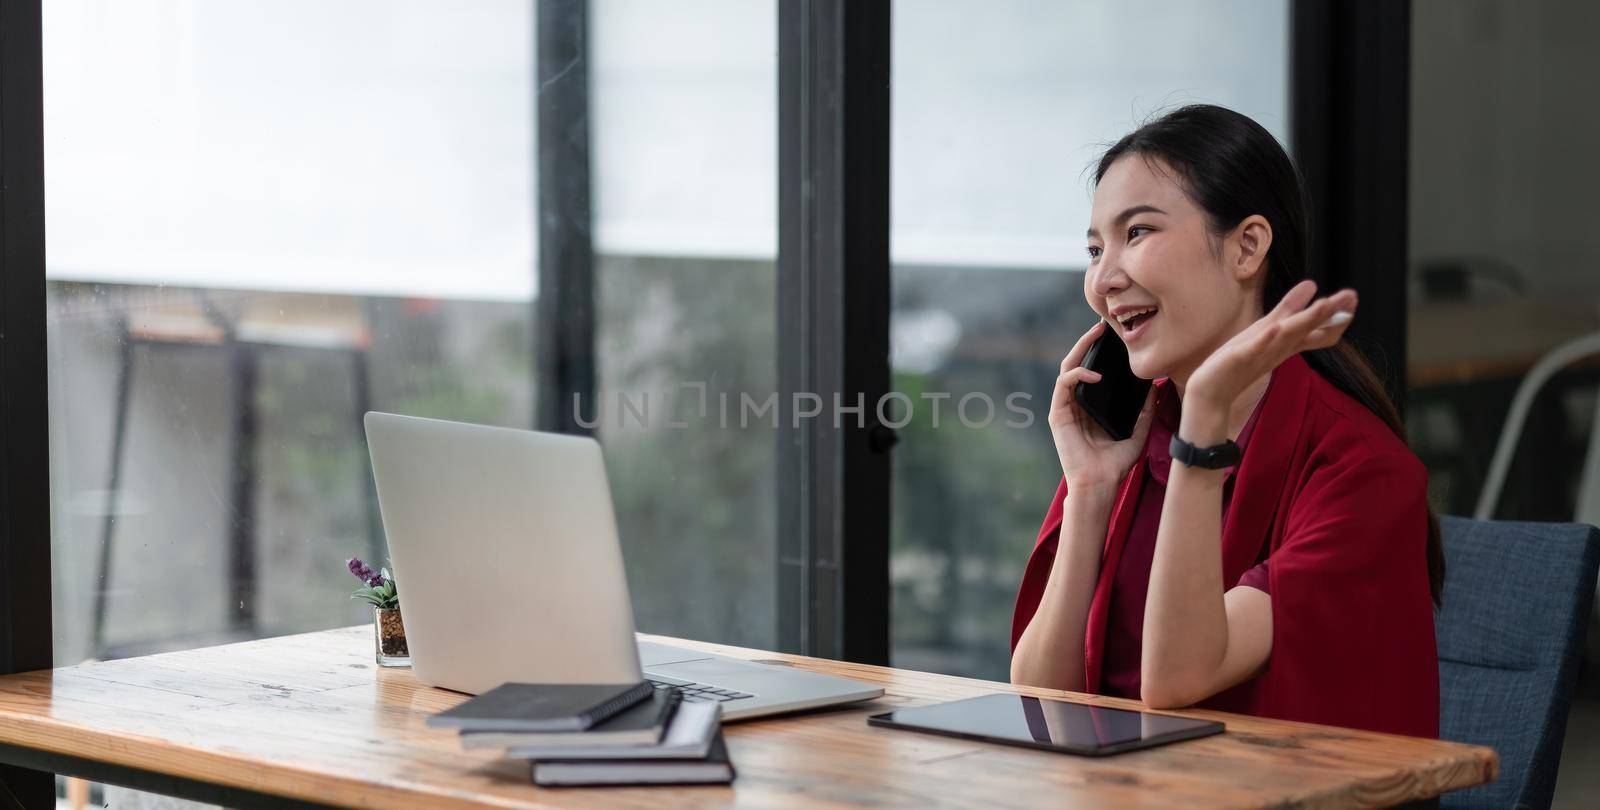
[1340, 503]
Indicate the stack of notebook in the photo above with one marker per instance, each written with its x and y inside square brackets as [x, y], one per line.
[580, 734]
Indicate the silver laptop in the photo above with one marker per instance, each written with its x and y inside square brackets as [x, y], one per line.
[505, 546]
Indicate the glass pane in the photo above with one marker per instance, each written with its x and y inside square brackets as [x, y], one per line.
[1504, 283]
[291, 224]
[258, 228]
[685, 105]
[998, 112]
[1492, 179]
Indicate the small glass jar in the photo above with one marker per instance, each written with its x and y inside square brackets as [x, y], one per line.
[390, 633]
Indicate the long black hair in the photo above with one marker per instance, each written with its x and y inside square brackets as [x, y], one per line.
[1232, 168]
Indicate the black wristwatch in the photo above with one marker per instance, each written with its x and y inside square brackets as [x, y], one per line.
[1214, 457]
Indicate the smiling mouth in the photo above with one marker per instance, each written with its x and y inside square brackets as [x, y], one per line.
[1131, 321]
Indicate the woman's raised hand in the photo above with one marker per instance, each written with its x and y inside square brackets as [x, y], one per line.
[1295, 325]
[1090, 458]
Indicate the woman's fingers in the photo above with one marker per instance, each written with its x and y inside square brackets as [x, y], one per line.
[1295, 325]
[1320, 314]
[1297, 328]
[1081, 348]
[1294, 300]
[1062, 399]
[1067, 380]
[1328, 333]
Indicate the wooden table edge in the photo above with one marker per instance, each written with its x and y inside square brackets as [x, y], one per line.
[1476, 764]
[223, 769]
[1469, 766]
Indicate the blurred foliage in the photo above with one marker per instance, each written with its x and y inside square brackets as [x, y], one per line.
[695, 504]
[967, 501]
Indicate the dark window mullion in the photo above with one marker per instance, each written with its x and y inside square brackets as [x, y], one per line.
[833, 326]
[25, 605]
[1350, 82]
[565, 317]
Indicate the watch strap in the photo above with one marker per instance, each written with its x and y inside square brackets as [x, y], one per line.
[1214, 457]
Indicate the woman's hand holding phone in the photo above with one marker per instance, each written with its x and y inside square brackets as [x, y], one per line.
[1092, 461]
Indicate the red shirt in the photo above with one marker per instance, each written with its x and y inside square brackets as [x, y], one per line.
[1339, 504]
[1125, 622]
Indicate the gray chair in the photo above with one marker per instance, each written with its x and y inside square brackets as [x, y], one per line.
[1516, 605]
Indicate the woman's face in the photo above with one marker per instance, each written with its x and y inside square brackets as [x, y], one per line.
[1172, 292]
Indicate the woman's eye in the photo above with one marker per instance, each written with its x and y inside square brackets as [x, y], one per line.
[1094, 252]
[1133, 233]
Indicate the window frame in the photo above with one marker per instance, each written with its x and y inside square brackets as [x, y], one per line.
[564, 309]
[833, 328]
[1350, 119]
[25, 601]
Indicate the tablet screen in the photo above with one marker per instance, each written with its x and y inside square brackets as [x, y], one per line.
[1052, 724]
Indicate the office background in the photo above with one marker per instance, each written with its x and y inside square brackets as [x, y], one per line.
[264, 218]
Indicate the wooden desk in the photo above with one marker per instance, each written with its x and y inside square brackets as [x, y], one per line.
[1486, 340]
[311, 718]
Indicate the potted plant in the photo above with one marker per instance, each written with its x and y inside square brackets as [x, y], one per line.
[379, 590]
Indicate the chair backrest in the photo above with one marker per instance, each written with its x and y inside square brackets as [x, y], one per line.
[1521, 405]
[1516, 605]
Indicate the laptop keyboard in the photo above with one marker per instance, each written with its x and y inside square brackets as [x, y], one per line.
[699, 692]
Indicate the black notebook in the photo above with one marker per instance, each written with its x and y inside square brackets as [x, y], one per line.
[542, 707]
[714, 768]
[642, 724]
[688, 735]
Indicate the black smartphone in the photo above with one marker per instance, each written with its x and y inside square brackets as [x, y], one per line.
[1114, 402]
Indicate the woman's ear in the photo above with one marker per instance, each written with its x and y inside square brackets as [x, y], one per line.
[1253, 237]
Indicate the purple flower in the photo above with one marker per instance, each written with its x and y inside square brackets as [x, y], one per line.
[364, 572]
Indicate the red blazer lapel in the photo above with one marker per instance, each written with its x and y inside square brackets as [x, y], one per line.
[1037, 572]
[1262, 480]
[1094, 631]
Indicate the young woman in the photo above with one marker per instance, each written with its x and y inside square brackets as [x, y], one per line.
[1298, 582]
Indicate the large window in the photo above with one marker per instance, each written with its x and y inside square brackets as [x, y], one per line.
[267, 217]
[998, 112]
[264, 218]
[685, 106]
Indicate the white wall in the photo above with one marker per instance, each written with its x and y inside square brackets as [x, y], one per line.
[1504, 131]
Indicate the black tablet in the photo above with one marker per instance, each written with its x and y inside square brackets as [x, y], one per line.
[1054, 725]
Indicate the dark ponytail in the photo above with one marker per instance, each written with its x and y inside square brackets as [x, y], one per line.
[1232, 168]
